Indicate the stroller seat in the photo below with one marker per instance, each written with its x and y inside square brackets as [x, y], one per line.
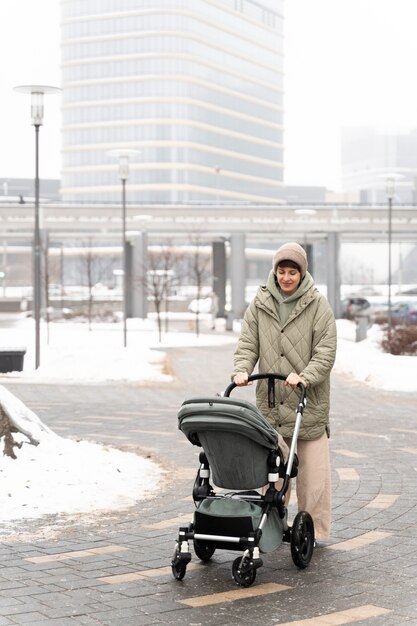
[236, 439]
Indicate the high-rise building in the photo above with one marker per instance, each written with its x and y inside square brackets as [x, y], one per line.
[194, 85]
[370, 156]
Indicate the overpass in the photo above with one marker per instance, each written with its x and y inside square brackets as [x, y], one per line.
[352, 222]
[240, 224]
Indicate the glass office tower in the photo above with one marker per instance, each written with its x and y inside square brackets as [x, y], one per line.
[194, 85]
[371, 155]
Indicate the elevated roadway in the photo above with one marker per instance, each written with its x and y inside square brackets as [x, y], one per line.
[352, 222]
[243, 225]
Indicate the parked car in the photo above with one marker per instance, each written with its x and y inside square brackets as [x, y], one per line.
[406, 312]
[401, 313]
[353, 306]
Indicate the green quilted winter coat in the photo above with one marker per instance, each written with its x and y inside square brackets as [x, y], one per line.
[305, 343]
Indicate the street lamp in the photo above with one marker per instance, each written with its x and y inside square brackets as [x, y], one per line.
[390, 191]
[37, 92]
[124, 157]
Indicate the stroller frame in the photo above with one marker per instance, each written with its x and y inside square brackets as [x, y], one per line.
[241, 533]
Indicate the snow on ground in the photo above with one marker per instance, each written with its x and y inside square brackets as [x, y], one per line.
[364, 360]
[64, 476]
[76, 354]
[61, 475]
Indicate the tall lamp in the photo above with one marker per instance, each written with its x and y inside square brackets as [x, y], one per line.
[37, 92]
[390, 189]
[390, 182]
[124, 156]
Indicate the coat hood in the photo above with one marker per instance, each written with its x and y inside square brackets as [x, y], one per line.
[285, 306]
[272, 286]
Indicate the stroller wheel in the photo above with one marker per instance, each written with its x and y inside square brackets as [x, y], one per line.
[204, 551]
[244, 576]
[302, 539]
[179, 569]
[179, 563]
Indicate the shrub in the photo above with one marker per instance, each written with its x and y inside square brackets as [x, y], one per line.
[403, 340]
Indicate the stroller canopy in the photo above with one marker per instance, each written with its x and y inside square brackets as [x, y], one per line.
[235, 436]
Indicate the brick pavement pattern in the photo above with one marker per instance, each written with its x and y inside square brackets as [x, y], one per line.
[112, 569]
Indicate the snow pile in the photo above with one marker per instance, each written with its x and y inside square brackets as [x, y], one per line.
[366, 362]
[25, 420]
[60, 475]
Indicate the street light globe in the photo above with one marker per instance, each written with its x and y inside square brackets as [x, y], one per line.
[37, 92]
[124, 155]
[390, 179]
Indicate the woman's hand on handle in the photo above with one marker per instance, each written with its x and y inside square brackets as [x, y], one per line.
[241, 379]
[293, 379]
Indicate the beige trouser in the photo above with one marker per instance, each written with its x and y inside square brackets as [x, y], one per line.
[313, 483]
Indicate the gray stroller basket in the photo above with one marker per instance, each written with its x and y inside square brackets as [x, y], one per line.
[240, 452]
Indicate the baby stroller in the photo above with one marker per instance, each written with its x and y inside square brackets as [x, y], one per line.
[241, 449]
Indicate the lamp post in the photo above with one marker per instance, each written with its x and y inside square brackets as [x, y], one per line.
[390, 190]
[37, 92]
[124, 157]
[390, 187]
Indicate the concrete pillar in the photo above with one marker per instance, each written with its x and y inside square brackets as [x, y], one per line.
[333, 272]
[308, 247]
[136, 261]
[219, 273]
[237, 274]
[128, 257]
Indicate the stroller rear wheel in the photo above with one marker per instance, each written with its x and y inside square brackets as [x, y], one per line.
[204, 551]
[244, 576]
[302, 539]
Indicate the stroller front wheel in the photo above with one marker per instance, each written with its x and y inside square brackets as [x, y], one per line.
[179, 563]
[244, 577]
[179, 569]
[302, 539]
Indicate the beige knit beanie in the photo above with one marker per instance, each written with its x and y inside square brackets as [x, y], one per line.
[291, 252]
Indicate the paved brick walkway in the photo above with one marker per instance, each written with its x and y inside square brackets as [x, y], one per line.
[113, 569]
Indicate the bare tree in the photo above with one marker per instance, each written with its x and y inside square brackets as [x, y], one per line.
[162, 276]
[94, 269]
[171, 259]
[200, 271]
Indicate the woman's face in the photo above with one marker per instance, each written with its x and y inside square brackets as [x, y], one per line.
[288, 279]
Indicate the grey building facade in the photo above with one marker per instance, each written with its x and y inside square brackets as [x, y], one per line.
[371, 155]
[23, 189]
[195, 86]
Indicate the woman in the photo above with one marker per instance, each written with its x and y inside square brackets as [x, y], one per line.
[289, 328]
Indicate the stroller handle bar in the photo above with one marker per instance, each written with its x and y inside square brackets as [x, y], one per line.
[272, 377]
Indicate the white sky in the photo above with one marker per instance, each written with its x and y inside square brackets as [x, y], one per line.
[83, 477]
[348, 62]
